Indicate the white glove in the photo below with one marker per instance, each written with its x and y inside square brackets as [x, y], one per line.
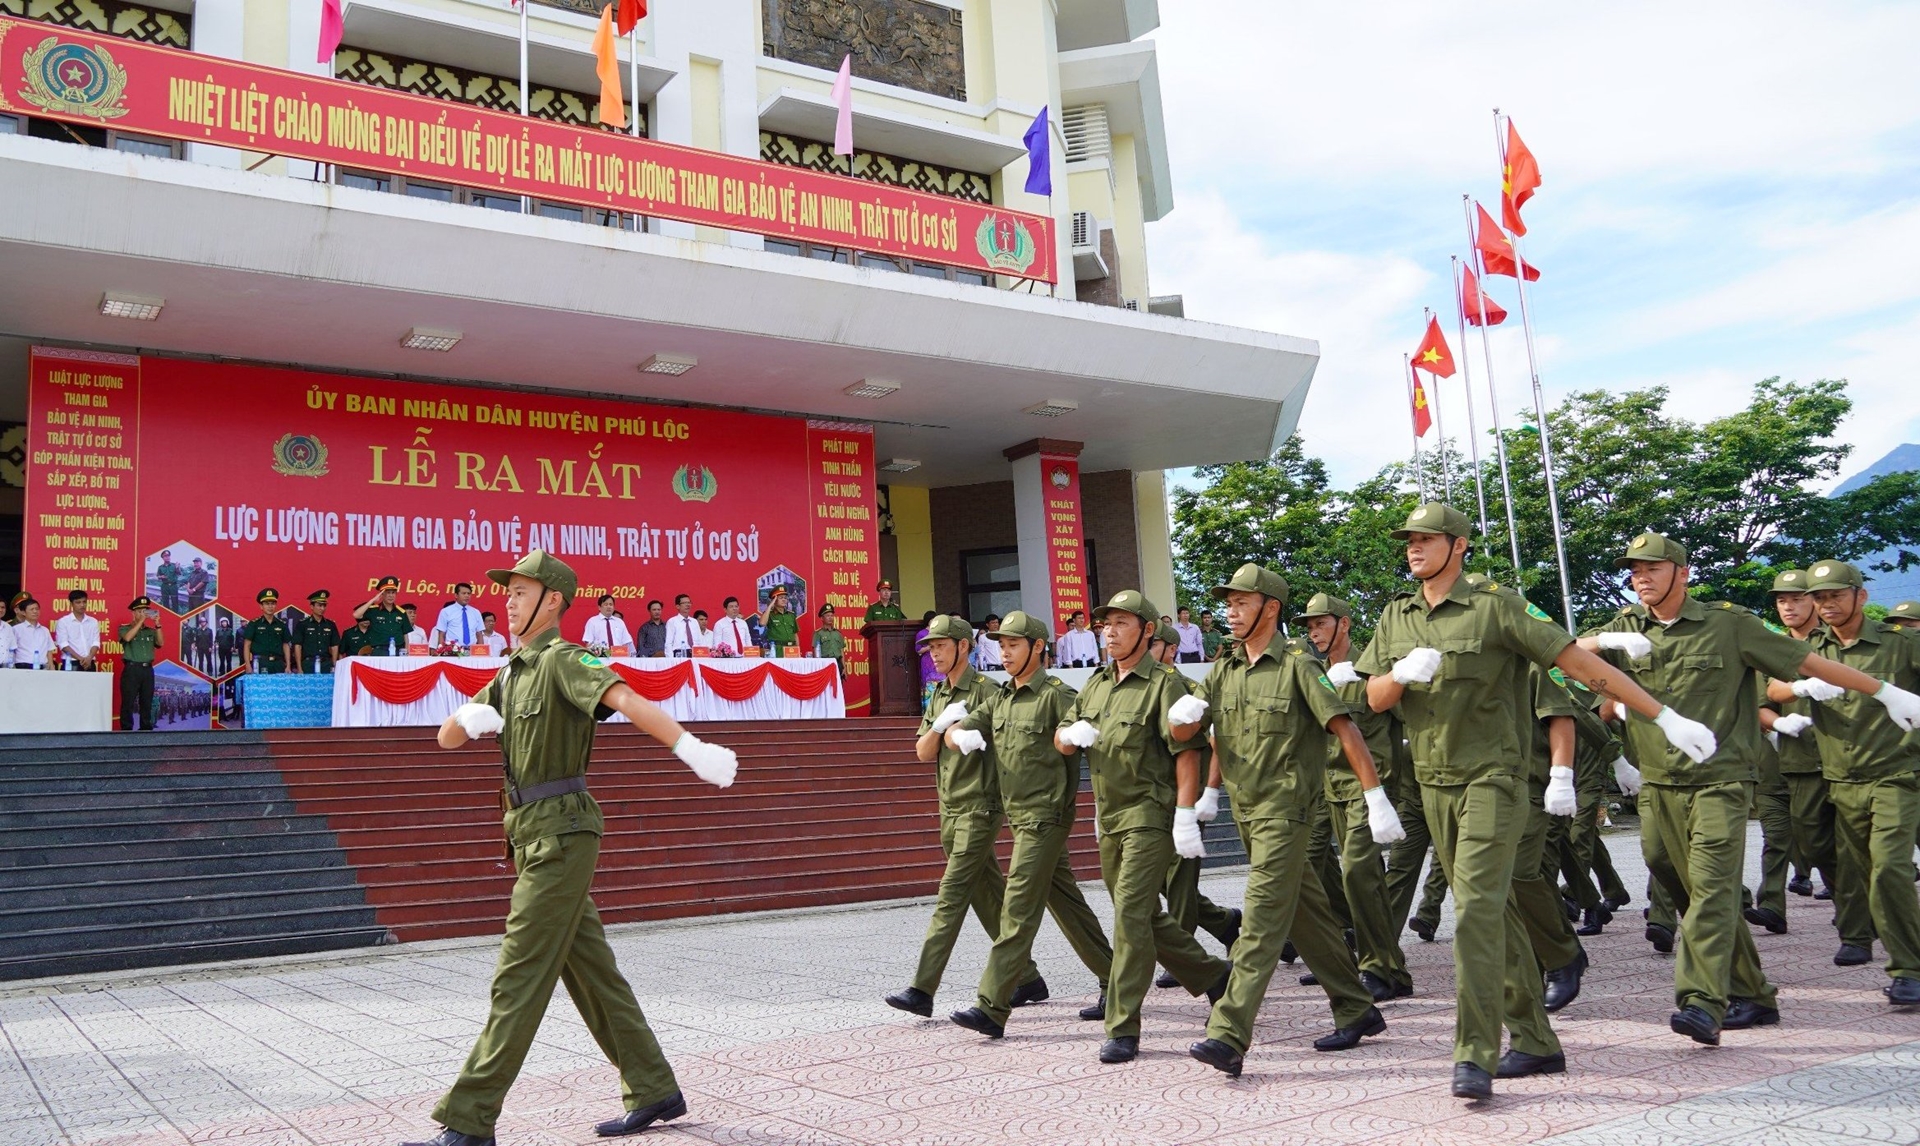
[1186, 834]
[1635, 645]
[1382, 820]
[479, 719]
[1417, 667]
[1560, 799]
[1627, 776]
[710, 762]
[1187, 710]
[1343, 673]
[1773, 739]
[1207, 807]
[1902, 705]
[1792, 725]
[968, 741]
[1080, 734]
[1813, 688]
[1689, 736]
[949, 716]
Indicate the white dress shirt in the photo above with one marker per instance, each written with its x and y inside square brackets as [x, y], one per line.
[609, 631]
[1189, 637]
[6, 644]
[77, 637]
[683, 633]
[732, 631]
[986, 653]
[447, 628]
[1077, 646]
[417, 637]
[496, 643]
[31, 644]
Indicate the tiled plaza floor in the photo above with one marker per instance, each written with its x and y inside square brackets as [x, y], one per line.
[776, 1029]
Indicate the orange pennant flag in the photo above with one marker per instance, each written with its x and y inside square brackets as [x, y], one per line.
[1433, 355]
[613, 109]
[1422, 416]
[1472, 299]
[1518, 182]
[1496, 250]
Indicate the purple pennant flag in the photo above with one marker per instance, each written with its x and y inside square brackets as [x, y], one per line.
[1039, 143]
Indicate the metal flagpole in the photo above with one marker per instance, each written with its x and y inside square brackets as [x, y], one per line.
[1419, 471]
[1539, 402]
[1493, 395]
[633, 77]
[526, 203]
[1466, 379]
[1439, 424]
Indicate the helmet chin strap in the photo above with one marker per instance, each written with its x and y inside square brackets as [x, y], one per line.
[535, 615]
[1673, 582]
[1026, 662]
[1137, 642]
[1850, 616]
[1443, 564]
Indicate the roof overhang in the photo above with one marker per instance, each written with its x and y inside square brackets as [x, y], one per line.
[1092, 23]
[1126, 78]
[811, 116]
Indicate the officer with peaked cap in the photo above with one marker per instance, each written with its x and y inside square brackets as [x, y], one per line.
[140, 641]
[316, 636]
[388, 626]
[266, 639]
[543, 705]
[884, 609]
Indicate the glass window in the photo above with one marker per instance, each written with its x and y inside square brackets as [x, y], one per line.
[991, 581]
[495, 202]
[782, 247]
[928, 270]
[830, 254]
[560, 211]
[9, 125]
[974, 277]
[881, 263]
[364, 181]
[429, 191]
[137, 146]
[993, 565]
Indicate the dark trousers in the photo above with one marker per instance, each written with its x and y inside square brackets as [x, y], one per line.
[136, 695]
[1192, 658]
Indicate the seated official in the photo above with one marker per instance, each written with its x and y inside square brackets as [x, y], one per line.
[606, 630]
[33, 646]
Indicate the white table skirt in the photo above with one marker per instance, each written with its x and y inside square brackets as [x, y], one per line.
[368, 711]
[54, 701]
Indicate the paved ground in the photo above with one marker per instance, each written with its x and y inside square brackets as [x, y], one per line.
[777, 1032]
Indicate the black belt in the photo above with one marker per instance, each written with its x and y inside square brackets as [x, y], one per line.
[517, 797]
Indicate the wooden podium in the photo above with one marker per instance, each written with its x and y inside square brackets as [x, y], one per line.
[893, 667]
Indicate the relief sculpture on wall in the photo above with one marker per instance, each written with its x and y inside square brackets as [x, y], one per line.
[908, 43]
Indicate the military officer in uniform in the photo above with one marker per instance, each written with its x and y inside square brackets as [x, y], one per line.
[168, 575]
[317, 637]
[223, 644]
[970, 817]
[1039, 789]
[1905, 615]
[265, 639]
[140, 641]
[388, 627]
[543, 705]
[1274, 710]
[1451, 656]
[1146, 779]
[884, 609]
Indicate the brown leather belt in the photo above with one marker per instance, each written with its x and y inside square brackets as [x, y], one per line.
[518, 797]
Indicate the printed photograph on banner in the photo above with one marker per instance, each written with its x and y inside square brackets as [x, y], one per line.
[181, 577]
[227, 626]
[198, 645]
[184, 699]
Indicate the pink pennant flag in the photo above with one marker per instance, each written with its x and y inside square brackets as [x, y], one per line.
[843, 99]
[331, 29]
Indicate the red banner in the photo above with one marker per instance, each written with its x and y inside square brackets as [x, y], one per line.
[1066, 546]
[105, 81]
[200, 484]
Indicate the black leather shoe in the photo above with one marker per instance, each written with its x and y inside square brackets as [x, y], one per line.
[634, 1121]
[1233, 929]
[1346, 1038]
[1166, 979]
[1800, 885]
[1824, 893]
[1122, 1049]
[975, 1019]
[1768, 918]
[1697, 1025]
[1379, 988]
[1347, 935]
[1309, 980]
[1219, 1056]
[1851, 956]
[453, 1138]
[1520, 1064]
[1287, 953]
[1571, 908]
[1593, 921]
[1563, 984]
[1744, 1013]
[1661, 938]
[1616, 902]
[1219, 987]
[1096, 1011]
[1025, 993]
[1470, 1082]
[1903, 992]
[914, 1001]
[1424, 928]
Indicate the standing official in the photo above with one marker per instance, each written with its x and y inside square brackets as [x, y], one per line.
[779, 624]
[1192, 648]
[388, 627]
[266, 639]
[168, 575]
[458, 623]
[140, 641]
[1079, 648]
[77, 634]
[605, 631]
[652, 636]
[884, 609]
[316, 637]
[683, 632]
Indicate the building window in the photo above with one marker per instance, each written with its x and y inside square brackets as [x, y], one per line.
[93, 137]
[913, 44]
[444, 193]
[990, 581]
[462, 85]
[876, 167]
[879, 262]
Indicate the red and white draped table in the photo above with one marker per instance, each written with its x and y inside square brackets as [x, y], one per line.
[386, 692]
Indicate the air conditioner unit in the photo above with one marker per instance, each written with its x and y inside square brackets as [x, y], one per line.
[1087, 263]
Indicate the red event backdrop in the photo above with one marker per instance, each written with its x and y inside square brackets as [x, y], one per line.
[302, 481]
[1066, 548]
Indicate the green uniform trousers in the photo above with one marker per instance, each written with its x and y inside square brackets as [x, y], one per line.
[1407, 858]
[972, 879]
[1433, 894]
[1695, 840]
[1812, 809]
[1659, 899]
[1477, 829]
[1537, 894]
[1611, 886]
[1134, 865]
[1322, 843]
[1376, 933]
[553, 932]
[1039, 880]
[1189, 908]
[1777, 851]
[1874, 824]
[1573, 843]
[1284, 900]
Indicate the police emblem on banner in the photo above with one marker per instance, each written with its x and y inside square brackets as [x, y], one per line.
[1005, 243]
[695, 483]
[74, 80]
[299, 455]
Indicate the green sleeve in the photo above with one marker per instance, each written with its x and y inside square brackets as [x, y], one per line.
[582, 680]
[1208, 687]
[1528, 636]
[979, 718]
[1551, 698]
[1072, 714]
[489, 693]
[1770, 652]
[1171, 686]
[1374, 660]
[1321, 697]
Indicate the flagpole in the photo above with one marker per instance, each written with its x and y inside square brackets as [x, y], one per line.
[1413, 417]
[1539, 403]
[1493, 395]
[633, 78]
[1466, 380]
[1439, 423]
[526, 202]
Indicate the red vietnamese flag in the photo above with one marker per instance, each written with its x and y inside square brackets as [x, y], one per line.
[1496, 250]
[1433, 355]
[633, 11]
[1422, 417]
[1472, 298]
[1518, 181]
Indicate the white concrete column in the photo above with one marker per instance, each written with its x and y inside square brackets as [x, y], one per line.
[219, 29]
[1153, 534]
[722, 35]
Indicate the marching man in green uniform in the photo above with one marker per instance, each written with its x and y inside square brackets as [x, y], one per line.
[884, 609]
[543, 705]
[1146, 778]
[388, 627]
[1274, 712]
[1039, 788]
[970, 816]
[1450, 655]
[1905, 615]
[140, 641]
[316, 637]
[1693, 812]
[266, 639]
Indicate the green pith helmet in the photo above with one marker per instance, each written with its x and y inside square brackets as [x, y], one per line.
[1834, 575]
[543, 567]
[1254, 578]
[1652, 546]
[1789, 581]
[1325, 605]
[946, 627]
[1129, 601]
[1019, 624]
[1435, 517]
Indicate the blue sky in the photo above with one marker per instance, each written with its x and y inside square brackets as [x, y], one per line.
[1731, 191]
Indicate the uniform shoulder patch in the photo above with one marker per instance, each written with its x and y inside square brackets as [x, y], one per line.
[1773, 628]
[1730, 607]
[1537, 613]
[1625, 611]
[1488, 586]
[592, 661]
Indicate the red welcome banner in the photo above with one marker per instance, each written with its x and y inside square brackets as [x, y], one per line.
[104, 81]
[1066, 547]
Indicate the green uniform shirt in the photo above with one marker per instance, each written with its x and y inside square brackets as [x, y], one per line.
[1210, 640]
[1595, 746]
[1270, 728]
[1383, 733]
[828, 642]
[1465, 723]
[1547, 697]
[783, 629]
[169, 580]
[1133, 761]
[1038, 785]
[966, 783]
[887, 612]
[139, 648]
[355, 642]
[549, 694]
[1798, 755]
[1702, 667]
[268, 638]
[387, 625]
[1859, 742]
[317, 637]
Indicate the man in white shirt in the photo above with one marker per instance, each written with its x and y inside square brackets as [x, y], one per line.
[702, 632]
[418, 635]
[731, 636]
[986, 652]
[496, 640]
[32, 643]
[683, 635]
[459, 623]
[1077, 644]
[6, 638]
[77, 634]
[1192, 652]
[605, 631]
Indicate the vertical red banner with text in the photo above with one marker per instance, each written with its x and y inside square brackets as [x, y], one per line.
[846, 553]
[1066, 545]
